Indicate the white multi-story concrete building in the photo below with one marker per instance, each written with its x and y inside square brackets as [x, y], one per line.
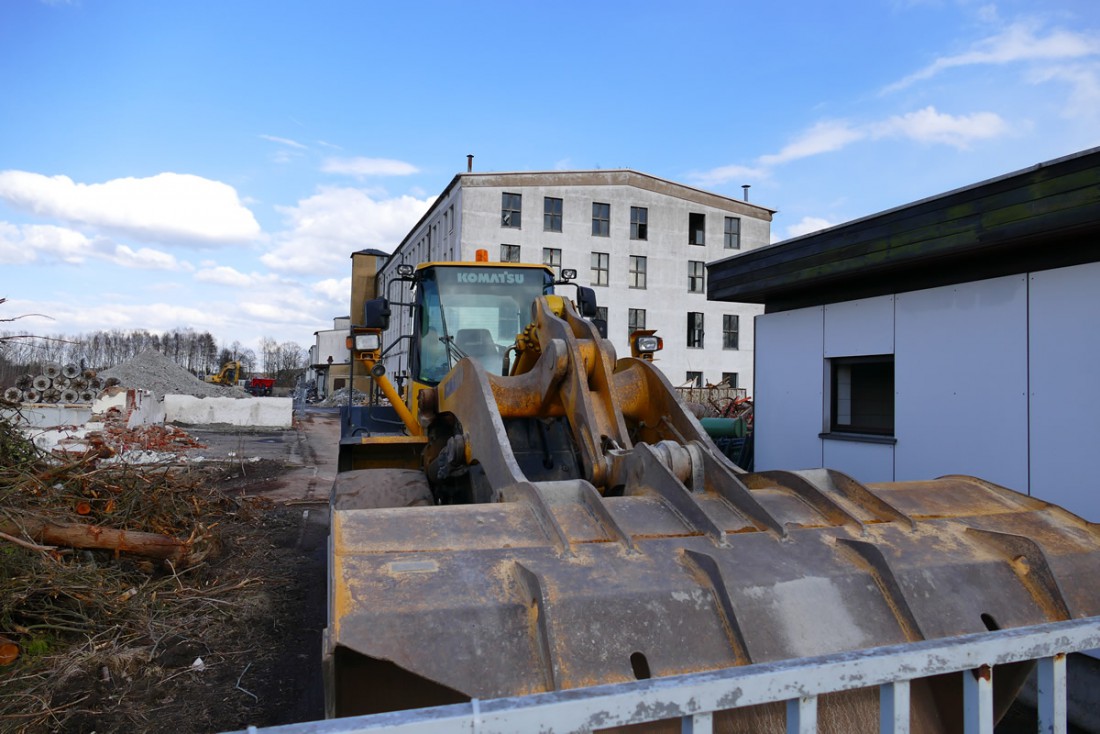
[641, 242]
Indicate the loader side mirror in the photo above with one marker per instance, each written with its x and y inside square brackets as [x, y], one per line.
[586, 301]
[376, 314]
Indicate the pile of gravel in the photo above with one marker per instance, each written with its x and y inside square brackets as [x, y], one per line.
[154, 372]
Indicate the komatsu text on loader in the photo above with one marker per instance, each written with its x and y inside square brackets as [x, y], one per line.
[534, 514]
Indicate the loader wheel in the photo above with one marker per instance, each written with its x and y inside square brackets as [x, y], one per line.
[366, 489]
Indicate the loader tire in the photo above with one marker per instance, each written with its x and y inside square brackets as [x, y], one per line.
[366, 489]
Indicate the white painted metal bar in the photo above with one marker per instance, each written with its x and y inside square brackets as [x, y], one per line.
[978, 700]
[802, 715]
[893, 707]
[697, 724]
[1052, 694]
[585, 709]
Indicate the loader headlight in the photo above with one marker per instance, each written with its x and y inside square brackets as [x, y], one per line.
[568, 274]
[368, 342]
[648, 344]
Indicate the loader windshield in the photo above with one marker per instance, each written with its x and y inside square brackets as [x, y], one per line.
[476, 312]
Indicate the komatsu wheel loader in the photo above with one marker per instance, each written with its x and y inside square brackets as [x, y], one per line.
[534, 514]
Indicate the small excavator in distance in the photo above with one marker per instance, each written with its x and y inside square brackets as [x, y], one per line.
[531, 513]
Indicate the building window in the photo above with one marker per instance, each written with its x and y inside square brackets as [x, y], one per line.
[552, 256]
[511, 209]
[451, 218]
[635, 320]
[601, 313]
[731, 324]
[601, 267]
[733, 233]
[730, 378]
[695, 330]
[697, 270]
[862, 395]
[639, 223]
[697, 228]
[551, 214]
[637, 271]
[509, 254]
[601, 219]
[694, 379]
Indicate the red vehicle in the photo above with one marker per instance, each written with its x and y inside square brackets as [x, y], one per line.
[260, 385]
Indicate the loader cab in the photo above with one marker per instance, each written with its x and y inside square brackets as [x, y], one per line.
[471, 310]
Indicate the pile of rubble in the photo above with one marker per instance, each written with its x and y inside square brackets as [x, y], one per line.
[153, 372]
[57, 384]
[340, 397]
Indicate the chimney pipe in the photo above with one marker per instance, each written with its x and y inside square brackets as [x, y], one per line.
[469, 163]
[745, 188]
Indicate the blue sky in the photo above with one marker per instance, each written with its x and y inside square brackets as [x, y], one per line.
[212, 164]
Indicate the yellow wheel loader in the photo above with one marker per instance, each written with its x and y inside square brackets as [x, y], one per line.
[530, 513]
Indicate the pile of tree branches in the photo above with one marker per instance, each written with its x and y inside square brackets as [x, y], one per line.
[99, 565]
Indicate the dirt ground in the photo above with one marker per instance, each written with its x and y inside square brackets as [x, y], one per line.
[246, 650]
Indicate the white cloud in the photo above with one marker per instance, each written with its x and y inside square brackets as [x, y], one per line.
[726, 174]
[1018, 42]
[225, 275]
[361, 167]
[930, 126]
[1084, 83]
[326, 228]
[167, 206]
[823, 137]
[806, 225]
[48, 243]
[285, 141]
[336, 290]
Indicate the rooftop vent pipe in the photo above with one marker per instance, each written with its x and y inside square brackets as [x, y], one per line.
[469, 163]
[745, 188]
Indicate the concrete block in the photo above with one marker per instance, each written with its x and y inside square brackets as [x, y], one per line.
[244, 412]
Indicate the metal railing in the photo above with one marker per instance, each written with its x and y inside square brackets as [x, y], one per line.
[694, 698]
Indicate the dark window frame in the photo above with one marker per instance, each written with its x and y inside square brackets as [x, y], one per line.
[551, 214]
[870, 391]
[696, 333]
[601, 219]
[637, 275]
[632, 318]
[510, 254]
[697, 276]
[548, 258]
[731, 337]
[639, 223]
[693, 377]
[511, 210]
[600, 265]
[732, 234]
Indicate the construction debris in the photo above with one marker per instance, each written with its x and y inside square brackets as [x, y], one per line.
[340, 397]
[112, 578]
[155, 373]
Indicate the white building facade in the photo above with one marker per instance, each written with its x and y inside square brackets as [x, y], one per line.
[641, 242]
[956, 335]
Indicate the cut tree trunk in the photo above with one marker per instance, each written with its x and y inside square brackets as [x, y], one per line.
[74, 535]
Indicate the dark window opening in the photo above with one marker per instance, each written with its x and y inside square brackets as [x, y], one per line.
[509, 254]
[863, 395]
[697, 228]
[695, 330]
